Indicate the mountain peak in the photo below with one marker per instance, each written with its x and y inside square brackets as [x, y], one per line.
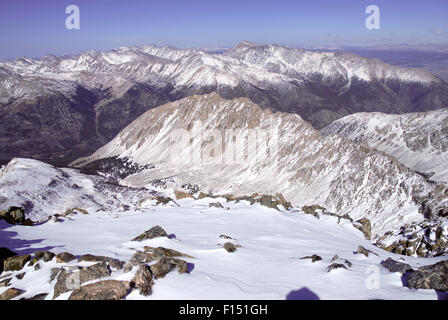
[245, 44]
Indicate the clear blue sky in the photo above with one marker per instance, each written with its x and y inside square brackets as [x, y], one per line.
[36, 27]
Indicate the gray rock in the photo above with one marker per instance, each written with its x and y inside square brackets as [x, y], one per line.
[138, 258]
[334, 266]
[96, 271]
[114, 263]
[16, 263]
[165, 265]
[364, 226]
[143, 280]
[54, 273]
[5, 283]
[20, 275]
[11, 293]
[64, 257]
[46, 256]
[430, 277]
[68, 280]
[102, 290]
[395, 266]
[215, 205]
[152, 233]
[15, 215]
[313, 258]
[230, 247]
[364, 251]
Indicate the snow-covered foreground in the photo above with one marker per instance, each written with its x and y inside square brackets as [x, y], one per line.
[266, 266]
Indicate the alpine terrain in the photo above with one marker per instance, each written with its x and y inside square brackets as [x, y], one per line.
[255, 172]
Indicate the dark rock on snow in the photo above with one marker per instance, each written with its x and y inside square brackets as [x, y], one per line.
[152, 233]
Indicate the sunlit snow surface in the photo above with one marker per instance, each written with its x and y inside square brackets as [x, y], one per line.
[267, 266]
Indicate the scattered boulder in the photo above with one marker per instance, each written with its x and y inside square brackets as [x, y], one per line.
[182, 195]
[202, 195]
[152, 233]
[364, 226]
[11, 293]
[20, 275]
[364, 251]
[54, 273]
[151, 254]
[396, 266]
[430, 277]
[138, 258]
[215, 205]
[15, 215]
[102, 290]
[160, 252]
[68, 281]
[143, 280]
[96, 271]
[46, 256]
[313, 258]
[37, 267]
[16, 263]
[334, 266]
[5, 283]
[230, 247]
[223, 236]
[165, 265]
[114, 263]
[64, 257]
[335, 257]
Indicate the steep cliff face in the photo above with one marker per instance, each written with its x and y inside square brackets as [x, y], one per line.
[121, 84]
[291, 157]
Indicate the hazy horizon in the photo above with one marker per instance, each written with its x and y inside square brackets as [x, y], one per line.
[36, 28]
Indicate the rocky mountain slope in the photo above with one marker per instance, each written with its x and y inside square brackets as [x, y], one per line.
[418, 140]
[290, 157]
[59, 108]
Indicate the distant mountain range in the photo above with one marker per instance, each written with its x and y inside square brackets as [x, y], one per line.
[61, 108]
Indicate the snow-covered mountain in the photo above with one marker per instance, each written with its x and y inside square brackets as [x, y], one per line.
[63, 107]
[418, 140]
[294, 159]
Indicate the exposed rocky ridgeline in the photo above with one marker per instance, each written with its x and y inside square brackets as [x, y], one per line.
[424, 239]
[418, 140]
[307, 168]
[59, 108]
